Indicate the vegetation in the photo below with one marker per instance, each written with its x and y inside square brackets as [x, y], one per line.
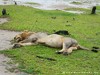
[83, 27]
[32, 3]
[79, 9]
[77, 3]
[98, 8]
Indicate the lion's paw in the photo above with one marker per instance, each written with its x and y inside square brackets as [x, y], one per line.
[17, 45]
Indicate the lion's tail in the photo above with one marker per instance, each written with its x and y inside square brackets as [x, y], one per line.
[83, 48]
[94, 49]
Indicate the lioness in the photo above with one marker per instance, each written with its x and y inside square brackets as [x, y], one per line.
[54, 40]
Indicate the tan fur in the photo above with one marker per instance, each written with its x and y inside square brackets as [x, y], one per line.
[23, 36]
[26, 34]
[30, 38]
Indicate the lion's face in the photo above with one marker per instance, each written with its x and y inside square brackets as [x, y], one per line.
[17, 38]
[22, 36]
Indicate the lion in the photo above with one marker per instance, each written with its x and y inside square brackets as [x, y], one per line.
[53, 40]
[22, 36]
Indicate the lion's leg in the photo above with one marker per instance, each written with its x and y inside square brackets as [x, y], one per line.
[18, 45]
[64, 47]
[69, 50]
[24, 41]
[26, 44]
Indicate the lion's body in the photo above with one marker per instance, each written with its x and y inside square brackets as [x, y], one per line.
[54, 40]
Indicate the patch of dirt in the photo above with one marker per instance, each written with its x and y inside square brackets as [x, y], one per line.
[3, 20]
[5, 39]
[6, 36]
[7, 67]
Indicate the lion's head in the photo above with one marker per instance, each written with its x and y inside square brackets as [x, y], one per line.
[22, 36]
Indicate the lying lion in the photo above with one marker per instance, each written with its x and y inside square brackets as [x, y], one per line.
[54, 40]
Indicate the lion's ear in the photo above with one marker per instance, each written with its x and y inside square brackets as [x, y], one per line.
[26, 31]
[31, 32]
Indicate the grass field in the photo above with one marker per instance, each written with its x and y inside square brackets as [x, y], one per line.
[85, 28]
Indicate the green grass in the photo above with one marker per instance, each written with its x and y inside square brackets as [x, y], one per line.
[32, 3]
[77, 3]
[84, 28]
[79, 9]
[34, 19]
[98, 7]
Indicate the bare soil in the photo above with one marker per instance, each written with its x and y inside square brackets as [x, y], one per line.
[3, 20]
[7, 66]
[5, 39]
[6, 36]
